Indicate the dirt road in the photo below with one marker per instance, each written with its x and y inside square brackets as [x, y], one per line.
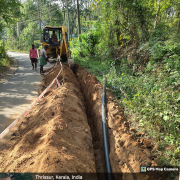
[17, 92]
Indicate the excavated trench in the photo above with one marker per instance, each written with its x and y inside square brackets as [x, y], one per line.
[63, 133]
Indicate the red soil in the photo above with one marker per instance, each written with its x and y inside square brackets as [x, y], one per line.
[63, 133]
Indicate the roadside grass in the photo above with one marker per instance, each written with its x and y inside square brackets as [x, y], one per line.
[18, 50]
[5, 64]
[93, 65]
[5, 61]
[23, 47]
[151, 97]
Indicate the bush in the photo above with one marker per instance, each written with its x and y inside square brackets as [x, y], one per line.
[75, 47]
[2, 49]
[90, 41]
[5, 61]
[152, 96]
[160, 33]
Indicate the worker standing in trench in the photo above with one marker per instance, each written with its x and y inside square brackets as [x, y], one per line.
[43, 59]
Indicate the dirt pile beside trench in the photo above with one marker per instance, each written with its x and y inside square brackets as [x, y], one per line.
[54, 136]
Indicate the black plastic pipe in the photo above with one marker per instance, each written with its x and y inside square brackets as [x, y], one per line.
[105, 139]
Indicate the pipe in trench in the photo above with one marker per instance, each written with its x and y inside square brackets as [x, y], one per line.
[105, 139]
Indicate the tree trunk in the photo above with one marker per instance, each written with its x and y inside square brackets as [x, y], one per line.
[118, 32]
[73, 24]
[156, 18]
[18, 29]
[178, 26]
[68, 20]
[145, 33]
[71, 34]
[39, 17]
[49, 10]
[111, 40]
[33, 37]
[79, 26]
[64, 18]
[143, 26]
[72, 29]
[134, 35]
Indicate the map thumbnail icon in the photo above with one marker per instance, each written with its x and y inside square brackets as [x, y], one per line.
[143, 169]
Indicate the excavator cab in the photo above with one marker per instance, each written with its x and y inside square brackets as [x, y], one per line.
[57, 40]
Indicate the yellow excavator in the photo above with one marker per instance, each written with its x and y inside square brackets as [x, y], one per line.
[56, 38]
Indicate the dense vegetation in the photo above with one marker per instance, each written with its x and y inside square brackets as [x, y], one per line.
[5, 61]
[135, 43]
[8, 11]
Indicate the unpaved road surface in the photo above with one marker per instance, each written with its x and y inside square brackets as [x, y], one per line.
[17, 92]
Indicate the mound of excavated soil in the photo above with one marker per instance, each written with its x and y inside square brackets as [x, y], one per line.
[54, 136]
[63, 133]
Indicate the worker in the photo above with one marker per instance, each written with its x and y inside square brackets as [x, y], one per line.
[54, 38]
[43, 59]
[33, 57]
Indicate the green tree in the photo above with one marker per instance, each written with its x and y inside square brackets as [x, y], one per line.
[9, 10]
